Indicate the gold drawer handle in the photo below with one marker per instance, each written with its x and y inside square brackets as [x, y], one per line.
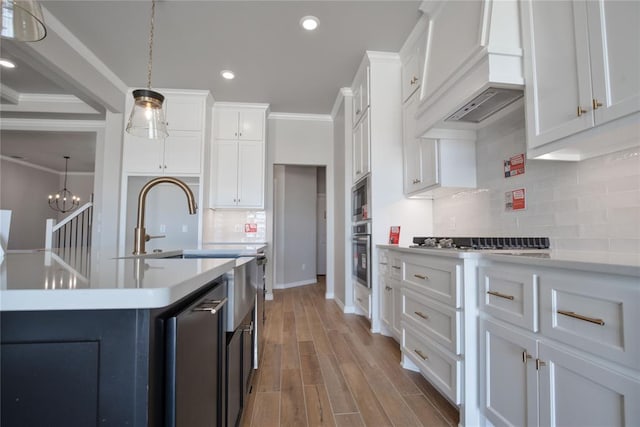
[420, 276]
[498, 294]
[396, 267]
[388, 288]
[421, 314]
[421, 354]
[581, 317]
[383, 263]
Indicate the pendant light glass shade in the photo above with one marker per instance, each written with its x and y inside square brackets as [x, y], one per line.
[22, 20]
[147, 117]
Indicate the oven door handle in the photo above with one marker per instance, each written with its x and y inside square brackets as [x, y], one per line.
[361, 238]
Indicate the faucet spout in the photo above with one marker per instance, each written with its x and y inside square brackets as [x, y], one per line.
[140, 234]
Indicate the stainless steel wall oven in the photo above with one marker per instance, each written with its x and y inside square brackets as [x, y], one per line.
[361, 251]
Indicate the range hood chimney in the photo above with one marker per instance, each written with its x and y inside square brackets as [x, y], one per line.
[473, 65]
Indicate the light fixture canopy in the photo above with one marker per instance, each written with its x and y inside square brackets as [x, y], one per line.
[22, 20]
[64, 201]
[147, 118]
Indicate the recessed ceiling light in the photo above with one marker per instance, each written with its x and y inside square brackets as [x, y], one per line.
[227, 74]
[6, 63]
[309, 23]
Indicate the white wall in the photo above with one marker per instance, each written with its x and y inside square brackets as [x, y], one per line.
[24, 190]
[296, 227]
[340, 231]
[167, 213]
[592, 205]
[299, 140]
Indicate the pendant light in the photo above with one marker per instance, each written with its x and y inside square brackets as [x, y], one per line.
[64, 201]
[147, 117]
[22, 20]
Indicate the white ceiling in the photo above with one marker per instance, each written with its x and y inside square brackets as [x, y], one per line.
[275, 61]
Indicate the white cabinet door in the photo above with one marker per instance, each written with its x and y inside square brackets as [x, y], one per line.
[142, 155]
[398, 307]
[182, 153]
[509, 384]
[226, 123]
[361, 160]
[250, 174]
[386, 302]
[226, 174]
[577, 392]
[429, 162]
[184, 112]
[412, 163]
[251, 124]
[557, 72]
[614, 41]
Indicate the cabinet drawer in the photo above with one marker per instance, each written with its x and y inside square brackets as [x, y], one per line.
[597, 313]
[362, 299]
[436, 320]
[442, 370]
[509, 293]
[435, 278]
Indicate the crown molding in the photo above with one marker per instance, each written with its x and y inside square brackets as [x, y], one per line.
[343, 93]
[43, 168]
[259, 106]
[299, 116]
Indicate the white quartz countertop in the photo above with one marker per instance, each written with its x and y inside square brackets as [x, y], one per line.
[41, 280]
[602, 262]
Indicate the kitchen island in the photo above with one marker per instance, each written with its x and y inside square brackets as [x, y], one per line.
[111, 342]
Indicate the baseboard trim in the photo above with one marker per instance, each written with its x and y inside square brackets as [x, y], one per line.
[294, 284]
[339, 303]
[349, 309]
[329, 295]
[268, 296]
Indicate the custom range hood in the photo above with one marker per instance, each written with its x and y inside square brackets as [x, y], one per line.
[473, 63]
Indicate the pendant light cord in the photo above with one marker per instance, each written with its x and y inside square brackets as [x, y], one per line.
[150, 65]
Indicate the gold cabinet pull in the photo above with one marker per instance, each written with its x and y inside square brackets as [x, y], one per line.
[414, 80]
[540, 363]
[500, 295]
[417, 181]
[388, 288]
[421, 314]
[396, 267]
[420, 276]
[596, 104]
[526, 356]
[383, 263]
[581, 317]
[421, 354]
[581, 111]
[359, 299]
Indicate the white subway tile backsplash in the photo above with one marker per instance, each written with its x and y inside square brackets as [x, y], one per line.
[229, 226]
[592, 205]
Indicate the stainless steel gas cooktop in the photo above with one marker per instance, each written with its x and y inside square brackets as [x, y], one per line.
[481, 243]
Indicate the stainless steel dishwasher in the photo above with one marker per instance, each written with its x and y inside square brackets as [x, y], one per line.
[195, 362]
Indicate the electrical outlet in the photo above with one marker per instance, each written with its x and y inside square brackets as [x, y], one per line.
[304, 267]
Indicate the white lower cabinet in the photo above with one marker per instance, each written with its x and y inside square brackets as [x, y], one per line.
[509, 377]
[391, 298]
[580, 369]
[362, 297]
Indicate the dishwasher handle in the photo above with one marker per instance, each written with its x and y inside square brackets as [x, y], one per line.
[212, 306]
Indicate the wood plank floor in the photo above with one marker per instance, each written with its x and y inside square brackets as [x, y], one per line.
[321, 367]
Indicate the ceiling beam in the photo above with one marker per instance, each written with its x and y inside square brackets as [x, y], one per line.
[48, 103]
[71, 65]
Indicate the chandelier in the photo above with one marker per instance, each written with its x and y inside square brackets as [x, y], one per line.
[64, 200]
[147, 117]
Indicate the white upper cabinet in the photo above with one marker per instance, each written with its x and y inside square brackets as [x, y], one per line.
[361, 148]
[238, 156]
[242, 124]
[582, 62]
[182, 151]
[360, 88]
[412, 57]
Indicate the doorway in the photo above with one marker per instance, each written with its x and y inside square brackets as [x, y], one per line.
[299, 237]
